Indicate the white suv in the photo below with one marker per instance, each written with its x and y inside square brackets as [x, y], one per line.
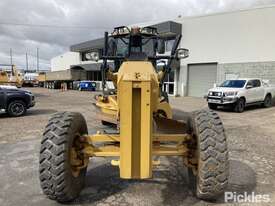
[240, 93]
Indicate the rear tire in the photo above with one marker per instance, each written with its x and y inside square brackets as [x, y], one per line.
[267, 101]
[212, 106]
[55, 170]
[239, 105]
[212, 156]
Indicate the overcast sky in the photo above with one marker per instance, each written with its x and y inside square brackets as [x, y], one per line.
[54, 25]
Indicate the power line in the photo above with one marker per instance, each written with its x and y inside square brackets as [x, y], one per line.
[52, 26]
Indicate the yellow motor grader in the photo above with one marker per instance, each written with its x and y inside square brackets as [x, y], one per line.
[146, 126]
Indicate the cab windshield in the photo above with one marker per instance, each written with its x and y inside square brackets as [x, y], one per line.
[233, 83]
[120, 46]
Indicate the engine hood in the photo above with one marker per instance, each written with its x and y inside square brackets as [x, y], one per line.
[15, 90]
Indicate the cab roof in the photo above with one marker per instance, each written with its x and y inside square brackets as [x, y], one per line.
[247, 79]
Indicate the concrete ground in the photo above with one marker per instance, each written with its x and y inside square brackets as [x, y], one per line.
[251, 144]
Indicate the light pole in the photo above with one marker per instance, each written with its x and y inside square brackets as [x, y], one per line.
[37, 59]
[27, 63]
[11, 55]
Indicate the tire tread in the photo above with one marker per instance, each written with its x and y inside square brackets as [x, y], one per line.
[53, 167]
[213, 163]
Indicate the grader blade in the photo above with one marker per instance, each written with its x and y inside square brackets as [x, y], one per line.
[169, 126]
[181, 115]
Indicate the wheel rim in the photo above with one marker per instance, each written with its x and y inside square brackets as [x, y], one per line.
[17, 108]
[267, 101]
[77, 159]
[193, 154]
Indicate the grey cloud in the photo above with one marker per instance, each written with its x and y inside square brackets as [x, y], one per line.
[100, 15]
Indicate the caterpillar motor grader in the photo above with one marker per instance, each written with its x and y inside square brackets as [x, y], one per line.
[145, 126]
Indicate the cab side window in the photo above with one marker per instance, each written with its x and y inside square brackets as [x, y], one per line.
[256, 83]
[250, 83]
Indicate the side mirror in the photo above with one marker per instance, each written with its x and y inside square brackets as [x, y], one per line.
[249, 86]
[182, 53]
[161, 46]
[93, 56]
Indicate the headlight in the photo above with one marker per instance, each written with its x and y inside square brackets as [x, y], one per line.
[210, 93]
[230, 94]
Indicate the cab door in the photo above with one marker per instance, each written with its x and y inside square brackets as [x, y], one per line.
[260, 90]
[251, 92]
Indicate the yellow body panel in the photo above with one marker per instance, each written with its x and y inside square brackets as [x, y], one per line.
[166, 108]
[15, 79]
[4, 76]
[114, 151]
[137, 99]
[109, 104]
[42, 77]
[108, 108]
[133, 109]
[156, 137]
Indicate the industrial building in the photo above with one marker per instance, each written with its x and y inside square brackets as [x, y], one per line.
[222, 46]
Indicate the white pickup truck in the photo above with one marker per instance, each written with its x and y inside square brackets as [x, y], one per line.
[240, 93]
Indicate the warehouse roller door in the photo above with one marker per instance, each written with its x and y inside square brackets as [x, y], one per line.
[201, 77]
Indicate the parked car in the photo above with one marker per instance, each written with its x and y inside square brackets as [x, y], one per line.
[87, 86]
[15, 101]
[240, 93]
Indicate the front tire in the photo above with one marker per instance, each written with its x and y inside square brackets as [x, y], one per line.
[17, 108]
[212, 169]
[239, 105]
[57, 175]
[212, 106]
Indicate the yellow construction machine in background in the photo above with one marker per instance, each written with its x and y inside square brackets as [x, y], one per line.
[12, 77]
[145, 125]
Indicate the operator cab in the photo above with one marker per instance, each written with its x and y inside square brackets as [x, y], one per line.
[134, 44]
[137, 44]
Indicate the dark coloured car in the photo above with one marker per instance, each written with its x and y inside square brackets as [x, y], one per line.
[15, 101]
